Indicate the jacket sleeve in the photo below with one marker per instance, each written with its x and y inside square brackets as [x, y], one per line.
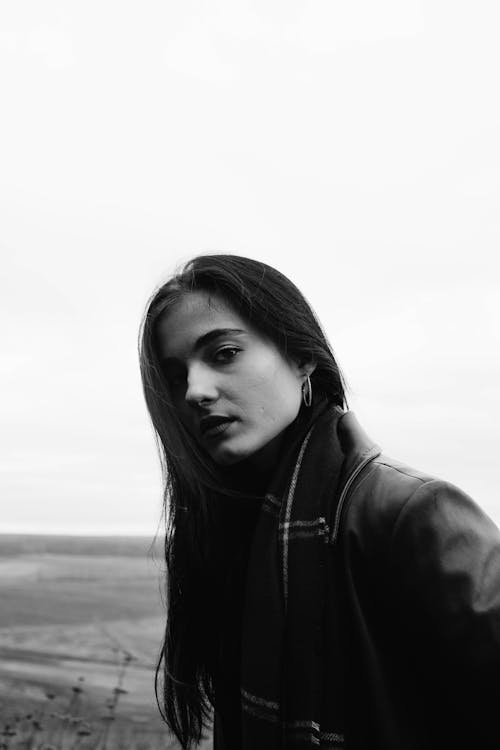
[445, 564]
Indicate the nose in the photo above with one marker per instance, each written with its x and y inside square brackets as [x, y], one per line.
[201, 385]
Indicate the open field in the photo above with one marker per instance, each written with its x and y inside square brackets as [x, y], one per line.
[80, 629]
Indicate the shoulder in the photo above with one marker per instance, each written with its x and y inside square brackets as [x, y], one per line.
[379, 495]
[424, 544]
[442, 558]
[374, 487]
[396, 506]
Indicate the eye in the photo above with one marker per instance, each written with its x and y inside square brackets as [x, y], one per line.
[226, 353]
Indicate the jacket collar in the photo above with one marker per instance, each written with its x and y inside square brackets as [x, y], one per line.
[357, 446]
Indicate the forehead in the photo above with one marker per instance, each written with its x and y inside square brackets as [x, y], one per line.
[191, 317]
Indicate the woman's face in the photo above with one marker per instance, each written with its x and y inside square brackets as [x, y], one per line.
[234, 390]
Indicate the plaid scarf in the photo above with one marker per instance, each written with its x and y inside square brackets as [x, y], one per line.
[291, 675]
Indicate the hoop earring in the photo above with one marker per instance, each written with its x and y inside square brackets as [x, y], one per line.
[307, 391]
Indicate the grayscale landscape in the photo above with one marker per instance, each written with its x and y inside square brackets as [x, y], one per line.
[81, 623]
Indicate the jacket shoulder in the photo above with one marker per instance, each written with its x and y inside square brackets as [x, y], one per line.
[381, 491]
[391, 465]
[382, 495]
[377, 489]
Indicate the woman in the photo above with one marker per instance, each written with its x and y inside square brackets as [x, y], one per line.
[319, 593]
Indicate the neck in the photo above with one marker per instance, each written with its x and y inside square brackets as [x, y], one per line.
[253, 475]
[247, 479]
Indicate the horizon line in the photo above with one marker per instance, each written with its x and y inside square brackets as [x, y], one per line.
[81, 533]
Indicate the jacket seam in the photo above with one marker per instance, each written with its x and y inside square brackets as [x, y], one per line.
[360, 479]
[363, 479]
[403, 509]
[405, 473]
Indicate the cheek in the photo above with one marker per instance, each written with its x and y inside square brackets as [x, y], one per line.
[273, 395]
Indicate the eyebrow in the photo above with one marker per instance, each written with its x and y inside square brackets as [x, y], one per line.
[207, 338]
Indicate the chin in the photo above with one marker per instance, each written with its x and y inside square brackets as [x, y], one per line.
[227, 458]
[228, 455]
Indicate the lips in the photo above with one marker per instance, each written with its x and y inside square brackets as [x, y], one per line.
[215, 424]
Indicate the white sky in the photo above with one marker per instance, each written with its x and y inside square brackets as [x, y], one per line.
[354, 145]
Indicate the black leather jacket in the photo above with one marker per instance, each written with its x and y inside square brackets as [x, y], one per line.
[420, 607]
[421, 574]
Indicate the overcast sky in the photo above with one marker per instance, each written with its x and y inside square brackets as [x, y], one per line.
[353, 145]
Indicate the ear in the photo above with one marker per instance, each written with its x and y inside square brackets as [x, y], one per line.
[307, 368]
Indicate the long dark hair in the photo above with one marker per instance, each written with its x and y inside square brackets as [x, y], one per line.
[274, 306]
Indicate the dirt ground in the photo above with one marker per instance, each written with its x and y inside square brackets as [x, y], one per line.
[77, 633]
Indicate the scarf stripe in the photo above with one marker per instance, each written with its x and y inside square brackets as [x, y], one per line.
[288, 513]
[259, 701]
[294, 524]
[297, 730]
